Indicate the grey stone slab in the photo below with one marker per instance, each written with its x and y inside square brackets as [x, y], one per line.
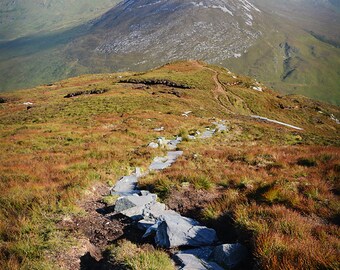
[161, 163]
[189, 262]
[175, 231]
[125, 185]
[192, 262]
[128, 202]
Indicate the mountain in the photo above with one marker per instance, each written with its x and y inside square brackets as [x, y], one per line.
[269, 180]
[261, 39]
[21, 18]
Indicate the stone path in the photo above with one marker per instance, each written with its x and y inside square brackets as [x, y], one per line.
[169, 228]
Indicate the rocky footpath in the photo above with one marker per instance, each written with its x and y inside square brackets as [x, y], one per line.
[193, 246]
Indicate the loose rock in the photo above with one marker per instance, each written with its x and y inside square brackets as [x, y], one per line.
[175, 231]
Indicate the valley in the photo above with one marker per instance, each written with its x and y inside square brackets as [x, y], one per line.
[250, 39]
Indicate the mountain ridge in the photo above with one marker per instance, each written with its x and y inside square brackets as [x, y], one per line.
[139, 41]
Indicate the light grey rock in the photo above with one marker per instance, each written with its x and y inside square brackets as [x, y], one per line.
[175, 231]
[162, 141]
[135, 213]
[220, 126]
[159, 129]
[154, 210]
[189, 262]
[203, 253]
[172, 145]
[207, 134]
[128, 202]
[229, 255]
[161, 163]
[144, 193]
[153, 145]
[138, 172]
[126, 185]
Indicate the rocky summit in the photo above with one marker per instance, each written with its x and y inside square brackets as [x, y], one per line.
[216, 30]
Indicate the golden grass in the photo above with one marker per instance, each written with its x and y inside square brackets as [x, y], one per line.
[51, 153]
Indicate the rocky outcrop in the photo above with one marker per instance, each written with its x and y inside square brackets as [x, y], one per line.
[155, 82]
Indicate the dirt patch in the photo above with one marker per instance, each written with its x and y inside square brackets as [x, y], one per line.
[96, 231]
[190, 202]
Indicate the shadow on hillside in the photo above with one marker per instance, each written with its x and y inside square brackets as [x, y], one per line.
[87, 262]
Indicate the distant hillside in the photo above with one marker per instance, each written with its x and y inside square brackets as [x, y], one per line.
[288, 50]
[27, 17]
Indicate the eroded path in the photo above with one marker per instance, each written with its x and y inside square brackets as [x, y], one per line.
[218, 91]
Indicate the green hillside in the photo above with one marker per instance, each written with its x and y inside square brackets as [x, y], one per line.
[270, 187]
[293, 61]
[22, 18]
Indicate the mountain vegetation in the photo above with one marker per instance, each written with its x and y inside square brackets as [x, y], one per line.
[21, 18]
[291, 45]
[271, 187]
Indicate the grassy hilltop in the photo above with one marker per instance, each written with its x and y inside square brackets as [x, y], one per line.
[273, 188]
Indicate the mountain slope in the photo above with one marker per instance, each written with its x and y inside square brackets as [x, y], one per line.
[27, 17]
[137, 35]
[258, 183]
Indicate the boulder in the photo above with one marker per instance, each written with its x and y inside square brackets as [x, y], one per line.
[175, 230]
[229, 255]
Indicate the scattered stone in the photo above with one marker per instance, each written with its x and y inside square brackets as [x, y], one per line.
[175, 231]
[161, 163]
[257, 88]
[28, 103]
[159, 129]
[126, 185]
[153, 145]
[172, 145]
[220, 126]
[230, 255]
[335, 119]
[207, 134]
